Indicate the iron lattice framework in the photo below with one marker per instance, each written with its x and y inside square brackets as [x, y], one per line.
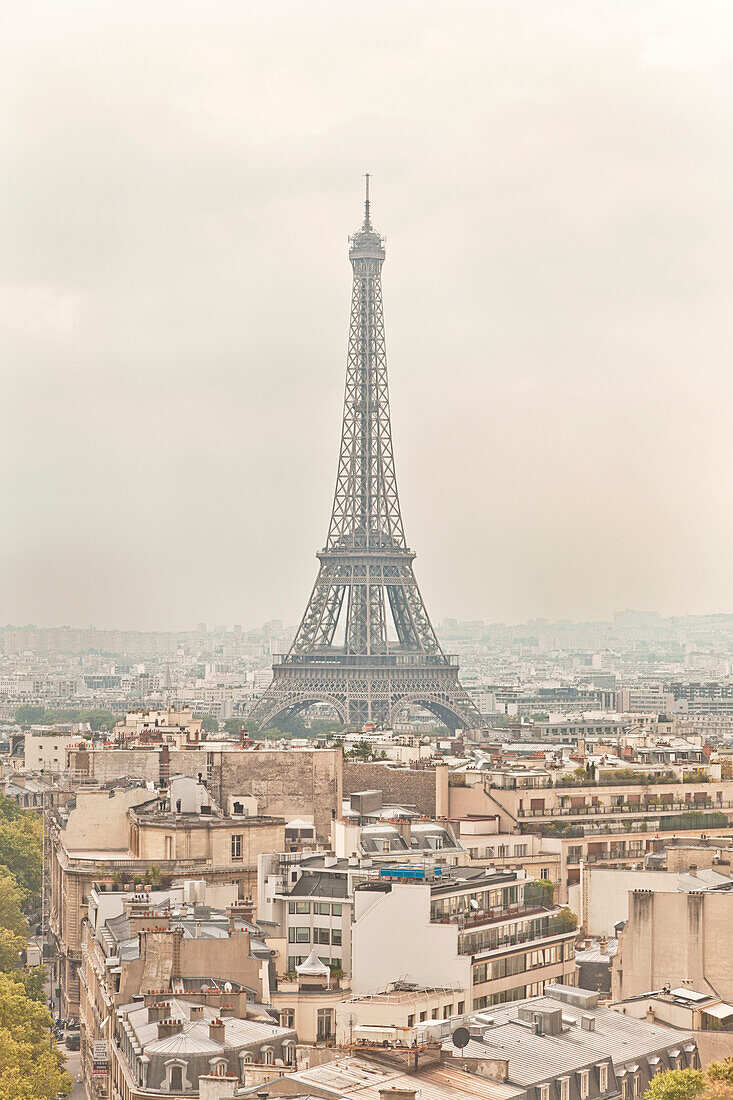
[347, 652]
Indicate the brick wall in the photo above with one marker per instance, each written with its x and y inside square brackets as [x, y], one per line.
[413, 788]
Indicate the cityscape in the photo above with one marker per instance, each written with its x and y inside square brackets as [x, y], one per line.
[357, 852]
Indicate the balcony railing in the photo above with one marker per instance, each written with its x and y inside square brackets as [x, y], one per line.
[473, 944]
[490, 916]
[603, 809]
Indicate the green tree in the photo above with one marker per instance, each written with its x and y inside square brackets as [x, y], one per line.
[10, 949]
[30, 1067]
[568, 920]
[11, 904]
[209, 724]
[20, 851]
[676, 1084]
[721, 1071]
[27, 715]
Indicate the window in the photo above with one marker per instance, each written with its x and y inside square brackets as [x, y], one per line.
[520, 849]
[411, 1020]
[237, 846]
[299, 935]
[175, 1078]
[544, 1092]
[584, 1084]
[461, 1007]
[564, 1088]
[636, 1085]
[336, 937]
[320, 935]
[602, 1078]
[321, 907]
[299, 907]
[287, 1017]
[336, 909]
[324, 1025]
[423, 1017]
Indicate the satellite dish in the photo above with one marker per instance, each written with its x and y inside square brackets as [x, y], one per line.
[460, 1037]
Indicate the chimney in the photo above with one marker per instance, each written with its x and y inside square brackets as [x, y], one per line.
[158, 1011]
[196, 1012]
[216, 1030]
[169, 1027]
[243, 910]
[213, 1087]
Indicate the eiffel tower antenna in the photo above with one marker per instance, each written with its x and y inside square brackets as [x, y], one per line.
[365, 645]
[367, 219]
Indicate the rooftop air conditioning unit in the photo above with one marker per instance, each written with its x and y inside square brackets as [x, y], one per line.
[588, 1023]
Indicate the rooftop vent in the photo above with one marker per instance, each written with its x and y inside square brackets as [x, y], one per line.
[544, 1021]
[570, 995]
[588, 1023]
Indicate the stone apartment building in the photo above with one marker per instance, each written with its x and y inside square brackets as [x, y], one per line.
[560, 1046]
[288, 783]
[194, 941]
[675, 939]
[617, 822]
[130, 833]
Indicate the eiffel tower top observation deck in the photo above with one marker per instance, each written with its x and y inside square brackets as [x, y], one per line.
[365, 644]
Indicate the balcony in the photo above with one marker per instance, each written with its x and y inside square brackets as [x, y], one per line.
[475, 944]
[602, 809]
[490, 916]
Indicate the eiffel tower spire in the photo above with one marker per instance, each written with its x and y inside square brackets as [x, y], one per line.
[365, 644]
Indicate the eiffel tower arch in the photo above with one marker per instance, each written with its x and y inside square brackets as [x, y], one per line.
[365, 644]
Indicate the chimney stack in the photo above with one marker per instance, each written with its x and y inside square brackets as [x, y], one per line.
[216, 1030]
[167, 1028]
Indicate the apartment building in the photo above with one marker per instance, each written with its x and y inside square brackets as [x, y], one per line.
[167, 1047]
[195, 938]
[132, 835]
[151, 727]
[307, 903]
[289, 783]
[560, 1046]
[45, 750]
[370, 829]
[675, 939]
[601, 898]
[618, 818]
[490, 933]
[527, 853]
[309, 999]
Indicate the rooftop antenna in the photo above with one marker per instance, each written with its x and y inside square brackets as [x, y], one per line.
[367, 219]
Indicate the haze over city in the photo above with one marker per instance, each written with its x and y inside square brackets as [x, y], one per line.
[179, 182]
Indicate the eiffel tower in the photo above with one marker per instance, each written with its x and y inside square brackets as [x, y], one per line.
[347, 652]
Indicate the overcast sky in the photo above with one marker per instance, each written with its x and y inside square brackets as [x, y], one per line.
[177, 183]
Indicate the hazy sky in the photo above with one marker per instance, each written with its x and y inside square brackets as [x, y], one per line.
[177, 183]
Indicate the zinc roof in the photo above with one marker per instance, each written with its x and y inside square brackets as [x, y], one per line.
[535, 1058]
[357, 1077]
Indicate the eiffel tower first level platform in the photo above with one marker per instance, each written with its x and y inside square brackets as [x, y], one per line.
[365, 645]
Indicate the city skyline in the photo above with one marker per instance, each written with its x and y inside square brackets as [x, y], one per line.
[554, 188]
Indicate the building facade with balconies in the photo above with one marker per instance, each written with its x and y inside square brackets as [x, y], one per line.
[492, 934]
